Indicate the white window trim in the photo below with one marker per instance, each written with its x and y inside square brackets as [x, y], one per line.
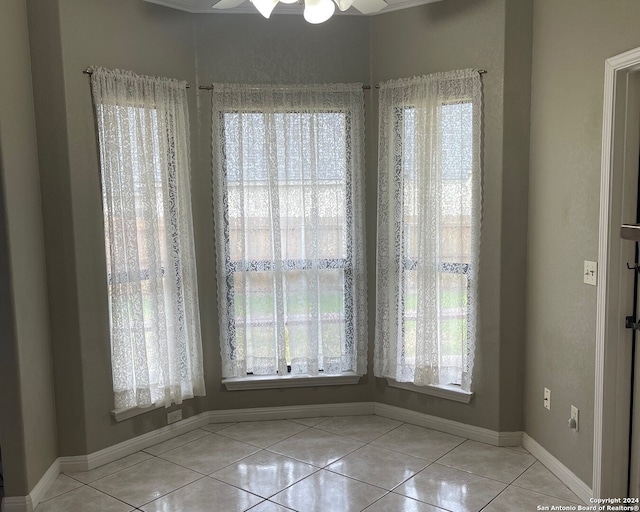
[446, 391]
[289, 381]
[355, 196]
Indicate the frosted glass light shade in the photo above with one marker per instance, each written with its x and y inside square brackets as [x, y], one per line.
[289, 1]
[265, 7]
[318, 11]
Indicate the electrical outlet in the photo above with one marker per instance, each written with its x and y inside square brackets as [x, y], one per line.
[574, 422]
[590, 272]
[547, 398]
[174, 416]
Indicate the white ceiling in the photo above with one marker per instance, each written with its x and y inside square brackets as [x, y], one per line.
[204, 6]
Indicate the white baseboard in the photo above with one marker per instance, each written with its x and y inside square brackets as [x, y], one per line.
[450, 427]
[17, 504]
[566, 476]
[293, 411]
[30, 502]
[45, 483]
[117, 451]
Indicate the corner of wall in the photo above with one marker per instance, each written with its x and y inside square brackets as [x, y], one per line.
[518, 40]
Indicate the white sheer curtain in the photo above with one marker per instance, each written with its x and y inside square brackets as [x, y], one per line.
[143, 129]
[288, 171]
[429, 213]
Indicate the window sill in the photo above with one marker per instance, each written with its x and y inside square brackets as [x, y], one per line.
[448, 392]
[289, 381]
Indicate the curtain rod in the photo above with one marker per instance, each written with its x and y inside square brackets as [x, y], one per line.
[210, 88]
[365, 87]
[89, 72]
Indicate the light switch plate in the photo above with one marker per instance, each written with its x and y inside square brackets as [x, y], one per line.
[590, 272]
[575, 416]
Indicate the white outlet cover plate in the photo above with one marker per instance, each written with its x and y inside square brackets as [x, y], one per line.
[575, 415]
[590, 272]
[547, 398]
[174, 416]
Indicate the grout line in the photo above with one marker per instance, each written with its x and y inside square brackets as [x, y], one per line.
[206, 433]
[376, 501]
[167, 493]
[361, 440]
[545, 494]
[110, 474]
[120, 499]
[272, 444]
[495, 498]
[65, 492]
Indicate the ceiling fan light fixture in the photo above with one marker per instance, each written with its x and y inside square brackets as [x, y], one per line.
[265, 7]
[318, 11]
[289, 1]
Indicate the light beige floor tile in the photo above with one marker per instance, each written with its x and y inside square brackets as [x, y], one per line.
[418, 441]
[61, 485]
[316, 447]
[83, 499]
[540, 479]
[204, 495]
[264, 473]
[262, 433]
[515, 499]
[214, 427]
[396, 503]
[269, 506]
[209, 454]
[517, 448]
[146, 481]
[451, 489]
[377, 466]
[489, 461]
[310, 422]
[174, 442]
[113, 467]
[325, 491]
[364, 428]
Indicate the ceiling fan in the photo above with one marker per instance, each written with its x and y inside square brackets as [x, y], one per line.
[315, 11]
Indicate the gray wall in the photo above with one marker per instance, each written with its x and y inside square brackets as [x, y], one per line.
[284, 49]
[515, 190]
[27, 408]
[572, 40]
[151, 40]
[460, 34]
[67, 36]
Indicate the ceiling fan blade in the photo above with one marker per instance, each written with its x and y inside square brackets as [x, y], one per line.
[343, 5]
[369, 6]
[227, 4]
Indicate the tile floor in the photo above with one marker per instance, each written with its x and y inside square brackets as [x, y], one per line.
[339, 464]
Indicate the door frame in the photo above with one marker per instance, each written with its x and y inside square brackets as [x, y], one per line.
[612, 370]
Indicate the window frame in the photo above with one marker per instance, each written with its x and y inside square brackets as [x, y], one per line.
[345, 264]
[408, 263]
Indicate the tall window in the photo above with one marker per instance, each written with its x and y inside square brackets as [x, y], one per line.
[288, 200]
[429, 210]
[143, 130]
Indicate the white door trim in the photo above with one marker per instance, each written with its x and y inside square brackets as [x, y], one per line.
[611, 396]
